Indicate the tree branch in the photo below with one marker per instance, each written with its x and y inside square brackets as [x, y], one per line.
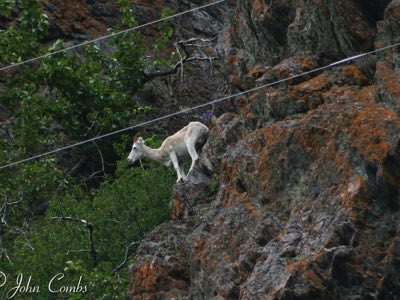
[149, 75]
[180, 46]
[102, 159]
[127, 257]
[75, 169]
[89, 226]
[77, 251]
[3, 212]
[184, 57]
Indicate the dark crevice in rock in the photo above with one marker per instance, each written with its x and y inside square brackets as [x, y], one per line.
[234, 293]
[251, 24]
[375, 9]
[344, 235]
[240, 186]
[390, 186]
[180, 275]
[283, 15]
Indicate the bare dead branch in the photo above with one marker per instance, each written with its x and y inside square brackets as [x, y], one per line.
[5, 254]
[94, 174]
[158, 73]
[127, 256]
[185, 56]
[3, 212]
[102, 159]
[89, 226]
[3, 250]
[12, 229]
[7, 202]
[77, 251]
[28, 245]
[75, 169]
[181, 58]
[192, 40]
[83, 221]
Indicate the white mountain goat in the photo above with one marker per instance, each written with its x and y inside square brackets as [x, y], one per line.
[186, 142]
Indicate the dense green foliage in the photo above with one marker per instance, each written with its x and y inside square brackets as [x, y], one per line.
[121, 210]
[61, 100]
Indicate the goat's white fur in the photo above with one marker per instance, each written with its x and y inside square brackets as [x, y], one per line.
[175, 147]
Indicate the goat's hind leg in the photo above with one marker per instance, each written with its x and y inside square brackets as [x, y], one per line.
[190, 144]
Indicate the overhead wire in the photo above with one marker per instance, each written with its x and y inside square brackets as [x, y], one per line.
[184, 111]
[13, 65]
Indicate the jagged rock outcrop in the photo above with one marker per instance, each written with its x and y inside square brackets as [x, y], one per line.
[307, 202]
[75, 19]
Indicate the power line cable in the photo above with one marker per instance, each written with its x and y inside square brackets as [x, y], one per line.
[334, 64]
[111, 35]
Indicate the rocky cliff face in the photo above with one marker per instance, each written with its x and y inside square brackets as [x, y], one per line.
[305, 200]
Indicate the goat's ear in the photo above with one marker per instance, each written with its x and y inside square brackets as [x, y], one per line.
[140, 140]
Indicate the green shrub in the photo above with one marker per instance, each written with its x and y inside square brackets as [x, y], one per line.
[122, 210]
[63, 99]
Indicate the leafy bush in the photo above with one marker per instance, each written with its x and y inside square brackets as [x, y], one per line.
[23, 40]
[64, 99]
[122, 211]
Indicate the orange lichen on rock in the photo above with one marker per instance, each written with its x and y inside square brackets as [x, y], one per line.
[77, 18]
[148, 274]
[370, 134]
[355, 75]
[245, 103]
[366, 93]
[178, 207]
[389, 78]
[255, 71]
[343, 94]
[310, 275]
[353, 194]
[252, 210]
[317, 83]
[314, 139]
[259, 6]
[292, 66]
[355, 185]
[298, 265]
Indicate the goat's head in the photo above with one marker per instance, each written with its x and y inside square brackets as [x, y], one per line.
[137, 150]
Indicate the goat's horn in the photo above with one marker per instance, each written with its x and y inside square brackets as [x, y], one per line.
[137, 135]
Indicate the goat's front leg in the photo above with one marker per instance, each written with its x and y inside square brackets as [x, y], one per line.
[175, 162]
[182, 170]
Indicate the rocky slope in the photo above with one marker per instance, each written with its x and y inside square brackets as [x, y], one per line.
[304, 202]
